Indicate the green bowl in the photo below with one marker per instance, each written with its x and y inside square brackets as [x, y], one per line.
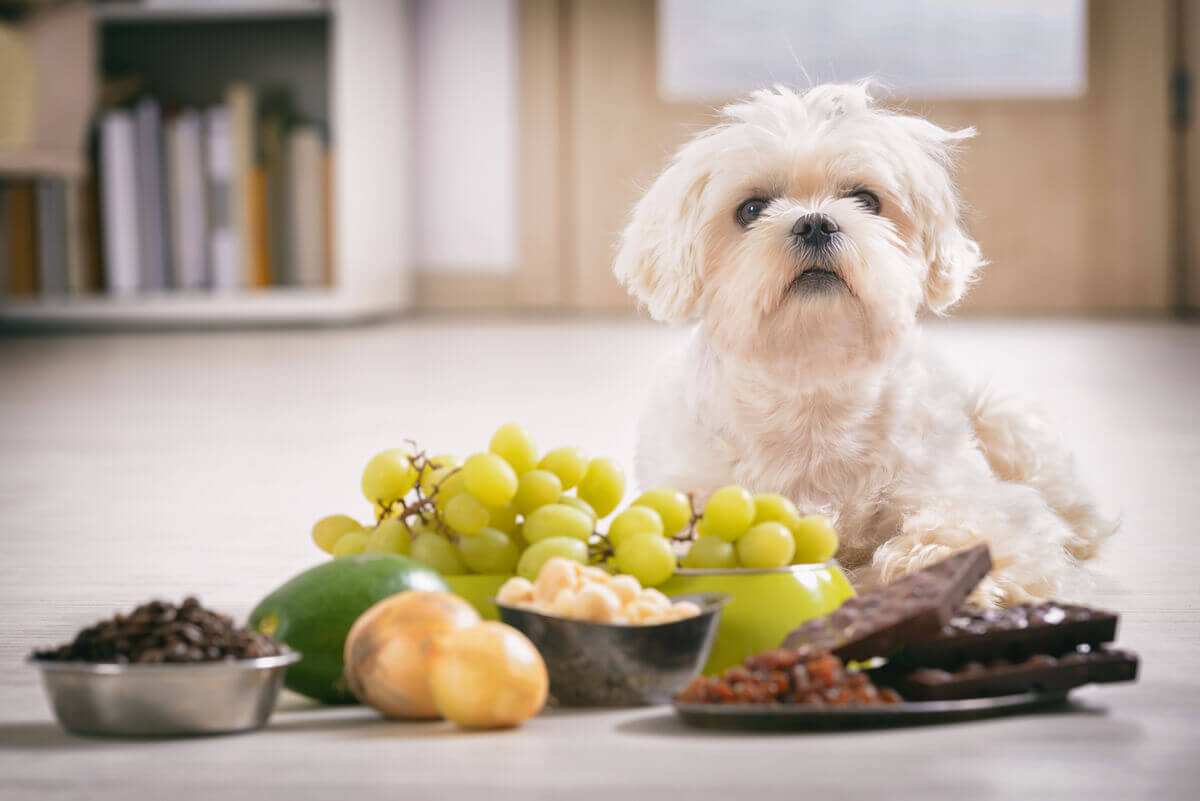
[764, 605]
[479, 589]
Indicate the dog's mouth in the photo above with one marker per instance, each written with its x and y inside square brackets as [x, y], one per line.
[817, 280]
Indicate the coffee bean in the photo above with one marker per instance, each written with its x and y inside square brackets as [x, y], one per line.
[158, 631]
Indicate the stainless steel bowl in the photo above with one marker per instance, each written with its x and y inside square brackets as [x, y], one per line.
[164, 700]
[601, 664]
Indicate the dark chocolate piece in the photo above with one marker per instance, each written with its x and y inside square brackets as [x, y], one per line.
[1000, 677]
[981, 635]
[908, 610]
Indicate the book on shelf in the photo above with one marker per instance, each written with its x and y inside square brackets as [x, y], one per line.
[221, 198]
[273, 121]
[75, 242]
[20, 257]
[224, 248]
[152, 228]
[306, 205]
[51, 237]
[188, 201]
[119, 203]
[241, 100]
[254, 186]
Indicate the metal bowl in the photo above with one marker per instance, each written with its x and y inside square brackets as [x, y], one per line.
[164, 700]
[602, 664]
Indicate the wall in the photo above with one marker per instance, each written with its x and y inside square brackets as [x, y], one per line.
[465, 136]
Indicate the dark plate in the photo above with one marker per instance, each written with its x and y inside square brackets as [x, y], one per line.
[797, 717]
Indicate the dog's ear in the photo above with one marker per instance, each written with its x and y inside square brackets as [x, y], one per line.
[954, 260]
[661, 252]
[953, 257]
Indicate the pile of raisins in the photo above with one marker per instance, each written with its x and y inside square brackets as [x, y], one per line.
[788, 676]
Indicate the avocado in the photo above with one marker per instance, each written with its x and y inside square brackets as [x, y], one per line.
[313, 613]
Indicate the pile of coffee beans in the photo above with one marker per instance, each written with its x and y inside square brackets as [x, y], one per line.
[163, 632]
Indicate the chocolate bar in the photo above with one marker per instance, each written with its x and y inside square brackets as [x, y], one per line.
[1001, 677]
[908, 610]
[982, 635]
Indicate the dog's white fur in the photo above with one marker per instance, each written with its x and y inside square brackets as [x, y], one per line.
[827, 395]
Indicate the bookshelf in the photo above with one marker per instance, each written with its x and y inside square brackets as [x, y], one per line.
[348, 63]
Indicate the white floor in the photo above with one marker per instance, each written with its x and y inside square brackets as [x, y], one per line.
[139, 465]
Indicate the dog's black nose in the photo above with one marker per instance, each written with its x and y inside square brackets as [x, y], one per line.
[815, 229]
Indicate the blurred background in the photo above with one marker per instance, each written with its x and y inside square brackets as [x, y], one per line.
[181, 162]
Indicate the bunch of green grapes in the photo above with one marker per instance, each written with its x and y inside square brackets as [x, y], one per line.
[508, 509]
[735, 530]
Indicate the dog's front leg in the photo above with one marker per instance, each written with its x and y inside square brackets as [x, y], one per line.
[1027, 539]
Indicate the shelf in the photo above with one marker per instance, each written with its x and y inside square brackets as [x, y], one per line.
[134, 13]
[282, 305]
[38, 164]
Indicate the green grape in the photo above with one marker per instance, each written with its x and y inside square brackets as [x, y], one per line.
[537, 488]
[328, 530]
[444, 460]
[430, 479]
[419, 525]
[556, 520]
[569, 464]
[388, 476]
[729, 513]
[537, 554]
[634, 520]
[816, 540]
[710, 553]
[768, 506]
[578, 503]
[672, 506]
[602, 486]
[648, 557]
[465, 514]
[514, 445]
[766, 545]
[439, 553]
[450, 484]
[503, 518]
[350, 543]
[390, 536]
[488, 551]
[490, 479]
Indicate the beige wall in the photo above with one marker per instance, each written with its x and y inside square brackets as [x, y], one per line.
[1070, 199]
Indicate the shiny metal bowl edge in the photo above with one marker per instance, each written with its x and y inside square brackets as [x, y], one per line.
[603, 664]
[164, 700]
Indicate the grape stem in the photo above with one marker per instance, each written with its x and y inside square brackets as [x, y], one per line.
[421, 506]
[688, 533]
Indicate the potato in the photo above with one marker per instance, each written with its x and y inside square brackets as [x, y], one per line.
[488, 676]
[388, 650]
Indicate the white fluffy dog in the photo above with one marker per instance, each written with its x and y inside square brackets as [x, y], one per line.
[808, 232]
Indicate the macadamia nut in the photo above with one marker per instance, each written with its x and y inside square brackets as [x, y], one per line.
[567, 589]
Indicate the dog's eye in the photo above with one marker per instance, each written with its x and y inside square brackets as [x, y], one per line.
[750, 210]
[868, 199]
